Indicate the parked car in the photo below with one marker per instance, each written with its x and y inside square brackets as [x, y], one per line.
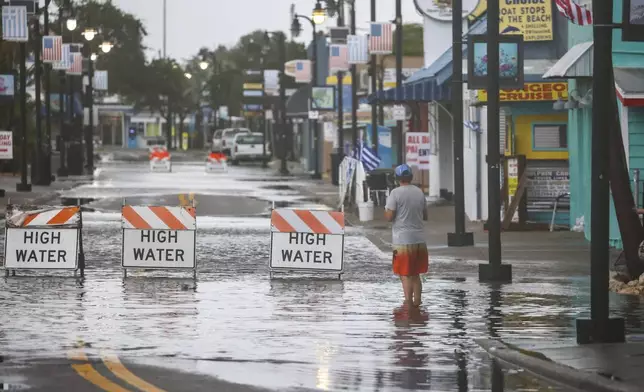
[228, 137]
[216, 140]
[247, 147]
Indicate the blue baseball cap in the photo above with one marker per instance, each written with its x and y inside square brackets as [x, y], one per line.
[403, 170]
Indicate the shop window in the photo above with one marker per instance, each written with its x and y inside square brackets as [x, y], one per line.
[549, 137]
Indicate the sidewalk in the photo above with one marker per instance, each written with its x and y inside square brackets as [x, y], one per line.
[567, 253]
[38, 194]
[595, 367]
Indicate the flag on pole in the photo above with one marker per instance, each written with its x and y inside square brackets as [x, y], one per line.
[15, 23]
[303, 71]
[576, 13]
[381, 40]
[370, 160]
[338, 58]
[76, 64]
[358, 49]
[63, 64]
[100, 80]
[52, 48]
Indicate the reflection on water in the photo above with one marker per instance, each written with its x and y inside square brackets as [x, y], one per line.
[411, 358]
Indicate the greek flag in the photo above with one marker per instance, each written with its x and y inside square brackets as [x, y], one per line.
[367, 156]
[15, 23]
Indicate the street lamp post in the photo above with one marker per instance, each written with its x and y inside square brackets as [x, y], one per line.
[45, 175]
[37, 151]
[282, 60]
[89, 35]
[399, 75]
[318, 17]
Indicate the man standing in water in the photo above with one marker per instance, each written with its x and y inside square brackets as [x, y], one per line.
[406, 209]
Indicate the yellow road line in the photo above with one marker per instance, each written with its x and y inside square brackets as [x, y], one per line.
[90, 374]
[114, 364]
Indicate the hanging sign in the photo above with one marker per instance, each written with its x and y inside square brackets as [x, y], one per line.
[6, 145]
[417, 147]
[531, 19]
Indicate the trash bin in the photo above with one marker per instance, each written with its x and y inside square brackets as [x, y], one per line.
[75, 159]
[336, 160]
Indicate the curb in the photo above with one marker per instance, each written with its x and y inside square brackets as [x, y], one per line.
[549, 370]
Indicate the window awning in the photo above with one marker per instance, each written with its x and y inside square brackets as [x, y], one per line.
[576, 63]
[629, 83]
[421, 91]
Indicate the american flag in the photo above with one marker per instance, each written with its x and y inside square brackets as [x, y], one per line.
[303, 71]
[358, 49]
[64, 62]
[52, 48]
[381, 40]
[76, 64]
[338, 58]
[577, 14]
[14, 23]
[100, 80]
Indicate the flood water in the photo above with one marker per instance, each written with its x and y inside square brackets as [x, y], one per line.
[291, 331]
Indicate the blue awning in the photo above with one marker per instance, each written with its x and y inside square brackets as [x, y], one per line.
[428, 84]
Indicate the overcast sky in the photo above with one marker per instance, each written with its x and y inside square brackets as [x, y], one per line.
[196, 23]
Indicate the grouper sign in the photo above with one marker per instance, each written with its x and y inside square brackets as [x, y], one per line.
[159, 237]
[307, 240]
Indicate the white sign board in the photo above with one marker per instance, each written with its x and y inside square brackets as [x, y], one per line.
[161, 166]
[6, 145]
[167, 249]
[399, 113]
[41, 248]
[417, 149]
[314, 114]
[307, 251]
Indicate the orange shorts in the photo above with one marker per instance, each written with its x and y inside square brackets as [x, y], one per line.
[410, 260]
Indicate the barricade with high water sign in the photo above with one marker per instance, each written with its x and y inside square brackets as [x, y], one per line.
[307, 241]
[158, 237]
[216, 162]
[43, 238]
[160, 160]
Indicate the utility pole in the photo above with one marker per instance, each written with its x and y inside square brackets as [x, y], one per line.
[374, 106]
[399, 75]
[23, 186]
[354, 85]
[45, 174]
[282, 120]
[62, 140]
[165, 27]
[37, 158]
[89, 133]
[600, 328]
[314, 123]
[494, 271]
[459, 237]
[340, 76]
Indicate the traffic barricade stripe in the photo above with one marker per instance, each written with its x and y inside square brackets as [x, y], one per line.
[166, 216]
[312, 222]
[304, 221]
[56, 216]
[159, 218]
[63, 216]
[131, 218]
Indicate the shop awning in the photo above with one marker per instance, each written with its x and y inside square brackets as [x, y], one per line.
[297, 105]
[629, 83]
[576, 63]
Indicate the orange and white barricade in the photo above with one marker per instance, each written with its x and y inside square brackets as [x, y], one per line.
[160, 160]
[307, 240]
[43, 238]
[158, 237]
[216, 162]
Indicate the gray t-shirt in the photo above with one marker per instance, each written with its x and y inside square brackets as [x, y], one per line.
[408, 204]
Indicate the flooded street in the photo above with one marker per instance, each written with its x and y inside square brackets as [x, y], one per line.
[236, 324]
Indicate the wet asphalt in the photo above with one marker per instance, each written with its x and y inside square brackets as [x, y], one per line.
[235, 329]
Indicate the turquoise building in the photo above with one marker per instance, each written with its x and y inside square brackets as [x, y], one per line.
[576, 65]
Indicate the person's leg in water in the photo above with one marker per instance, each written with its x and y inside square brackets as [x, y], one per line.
[417, 289]
[408, 289]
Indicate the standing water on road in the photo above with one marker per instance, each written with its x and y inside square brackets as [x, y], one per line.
[287, 332]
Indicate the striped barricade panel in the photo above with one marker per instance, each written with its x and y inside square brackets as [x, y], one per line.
[159, 218]
[305, 221]
[42, 237]
[216, 162]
